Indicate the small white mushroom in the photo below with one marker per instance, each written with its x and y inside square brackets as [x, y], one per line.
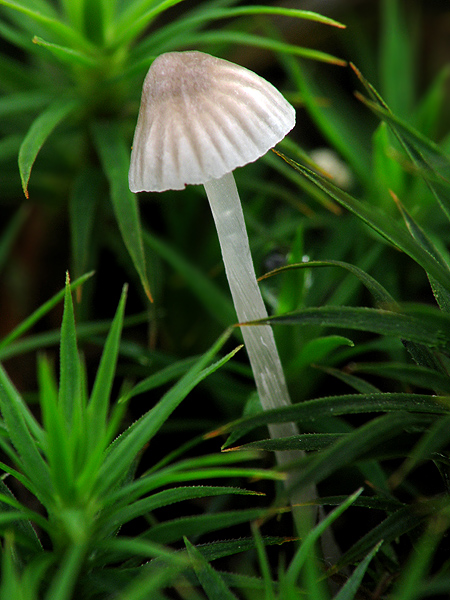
[200, 118]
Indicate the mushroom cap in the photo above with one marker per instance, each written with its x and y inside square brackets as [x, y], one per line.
[200, 118]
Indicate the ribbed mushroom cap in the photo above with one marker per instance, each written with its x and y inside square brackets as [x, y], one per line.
[200, 118]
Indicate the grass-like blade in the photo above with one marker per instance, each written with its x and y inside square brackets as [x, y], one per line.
[398, 56]
[310, 411]
[137, 16]
[431, 161]
[39, 131]
[25, 527]
[414, 574]
[69, 397]
[57, 448]
[30, 321]
[434, 440]
[359, 385]
[274, 10]
[380, 294]
[309, 541]
[114, 156]
[65, 578]
[97, 410]
[125, 448]
[50, 22]
[169, 497]
[397, 235]
[74, 12]
[210, 580]
[173, 530]
[309, 442]
[165, 375]
[17, 416]
[400, 522]
[334, 118]
[121, 548]
[67, 54]
[412, 375]
[441, 295]
[51, 338]
[248, 39]
[216, 466]
[354, 445]
[222, 548]
[23, 102]
[351, 587]
[418, 329]
[263, 561]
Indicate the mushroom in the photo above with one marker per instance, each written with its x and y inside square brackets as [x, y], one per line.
[200, 118]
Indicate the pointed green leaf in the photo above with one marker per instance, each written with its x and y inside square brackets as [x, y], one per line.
[16, 414]
[66, 54]
[39, 313]
[309, 541]
[418, 329]
[435, 440]
[387, 227]
[309, 442]
[431, 161]
[429, 112]
[296, 13]
[25, 527]
[69, 398]
[169, 497]
[358, 384]
[194, 469]
[352, 446]
[39, 132]
[125, 448]
[23, 102]
[210, 580]
[380, 294]
[256, 41]
[97, 411]
[412, 375]
[311, 410]
[122, 548]
[351, 587]
[137, 16]
[162, 377]
[400, 522]
[114, 157]
[441, 295]
[398, 60]
[57, 449]
[50, 21]
[413, 576]
[171, 531]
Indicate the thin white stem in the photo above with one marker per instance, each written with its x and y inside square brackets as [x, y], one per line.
[259, 340]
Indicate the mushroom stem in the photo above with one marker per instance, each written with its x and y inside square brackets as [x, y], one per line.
[259, 339]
